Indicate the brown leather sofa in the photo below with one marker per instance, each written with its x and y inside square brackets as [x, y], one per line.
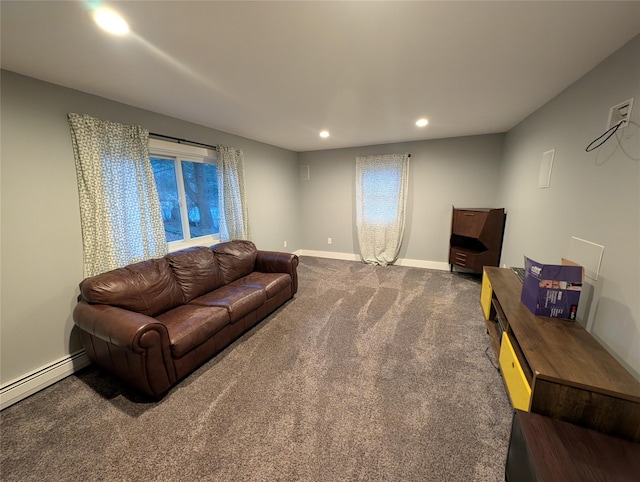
[154, 322]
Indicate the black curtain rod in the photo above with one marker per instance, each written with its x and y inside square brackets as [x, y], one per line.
[185, 141]
[181, 141]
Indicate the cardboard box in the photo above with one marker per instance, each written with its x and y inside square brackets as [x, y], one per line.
[552, 290]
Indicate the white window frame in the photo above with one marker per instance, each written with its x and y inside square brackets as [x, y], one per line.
[183, 152]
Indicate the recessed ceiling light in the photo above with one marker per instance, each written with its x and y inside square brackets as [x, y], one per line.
[422, 122]
[324, 134]
[111, 21]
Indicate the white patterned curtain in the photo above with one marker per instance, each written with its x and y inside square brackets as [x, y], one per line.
[234, 222]
[381, 194]
[119, 206]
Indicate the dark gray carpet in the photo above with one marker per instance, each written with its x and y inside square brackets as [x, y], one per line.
[370, 373]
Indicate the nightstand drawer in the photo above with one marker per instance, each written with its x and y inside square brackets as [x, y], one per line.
[466, 259]
[514, 377]
[459, 257]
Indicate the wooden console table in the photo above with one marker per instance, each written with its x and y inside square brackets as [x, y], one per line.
[554, 367]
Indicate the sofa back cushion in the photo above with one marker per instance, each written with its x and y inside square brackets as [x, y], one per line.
[147, 287]
[196, 270]
[235, 258]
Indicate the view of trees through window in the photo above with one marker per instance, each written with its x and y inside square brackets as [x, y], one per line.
[380, 190]
[188, 193]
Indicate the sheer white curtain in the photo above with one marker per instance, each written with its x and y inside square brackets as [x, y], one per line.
[381, 198]
[234, 221]
[119, 206]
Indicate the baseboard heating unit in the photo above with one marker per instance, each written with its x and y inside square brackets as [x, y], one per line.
[20, 388]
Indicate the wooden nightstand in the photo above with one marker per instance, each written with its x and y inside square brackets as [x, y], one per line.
[476, 238]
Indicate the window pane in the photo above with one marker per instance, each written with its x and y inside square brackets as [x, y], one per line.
[201, 192]
[164, 171]
[380, 191]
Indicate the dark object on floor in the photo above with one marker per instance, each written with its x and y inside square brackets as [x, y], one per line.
[544, 449]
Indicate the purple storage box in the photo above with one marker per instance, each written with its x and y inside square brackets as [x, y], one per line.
[552, 290]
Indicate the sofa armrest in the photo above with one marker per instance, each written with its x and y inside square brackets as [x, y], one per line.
[277, 262]
[130, 345]
[122, 328]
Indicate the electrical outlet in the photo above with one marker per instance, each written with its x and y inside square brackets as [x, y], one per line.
[285, 244]
[329, 241]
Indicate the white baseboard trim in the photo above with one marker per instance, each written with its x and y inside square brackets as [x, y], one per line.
[421, 263]
[28, 384]
[20, 388]
[329, 254]
[412, 263]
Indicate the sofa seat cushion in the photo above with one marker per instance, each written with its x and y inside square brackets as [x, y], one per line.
[239, 300]
[192, 325]
[271, 283]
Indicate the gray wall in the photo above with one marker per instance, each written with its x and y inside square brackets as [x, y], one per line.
[41, 245]
[459, 171]
[594, 196]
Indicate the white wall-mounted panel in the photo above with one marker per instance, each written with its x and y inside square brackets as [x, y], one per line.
[586, 254]
[544, 177]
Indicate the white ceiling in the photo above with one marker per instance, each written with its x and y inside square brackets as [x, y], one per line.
[280, 72]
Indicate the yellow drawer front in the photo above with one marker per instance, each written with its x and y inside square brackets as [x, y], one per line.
[486, 293]
[517, 384]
